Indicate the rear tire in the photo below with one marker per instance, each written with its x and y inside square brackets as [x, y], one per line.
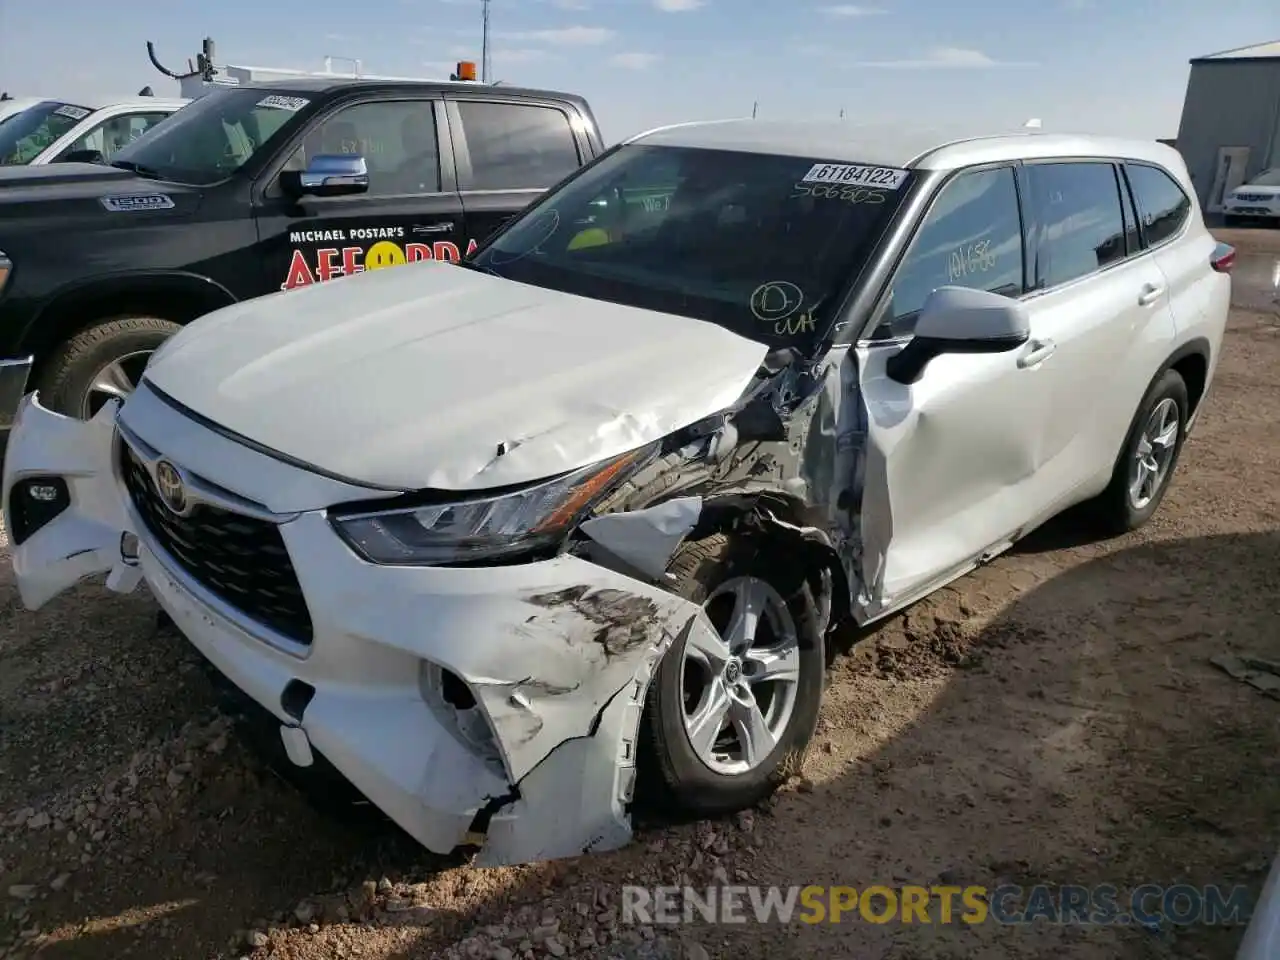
[121, 345]
[1117, 509]
[672, 774]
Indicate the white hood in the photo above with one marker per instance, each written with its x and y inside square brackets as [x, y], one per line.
[412, 377]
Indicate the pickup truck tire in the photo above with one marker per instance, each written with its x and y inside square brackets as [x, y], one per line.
[119, 346]
[681, 769]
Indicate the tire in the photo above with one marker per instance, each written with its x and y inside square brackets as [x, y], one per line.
[671, 774]
[71, 369]
[1115, 508]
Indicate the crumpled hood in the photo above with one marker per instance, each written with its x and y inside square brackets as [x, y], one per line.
[412, 377]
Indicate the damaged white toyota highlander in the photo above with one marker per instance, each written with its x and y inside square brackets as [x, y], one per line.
[513, 544]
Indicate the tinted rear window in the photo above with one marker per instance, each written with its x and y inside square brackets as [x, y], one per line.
[742, 240]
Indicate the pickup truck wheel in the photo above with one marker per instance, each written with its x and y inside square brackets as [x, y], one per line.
[101, 362]
[726, 721]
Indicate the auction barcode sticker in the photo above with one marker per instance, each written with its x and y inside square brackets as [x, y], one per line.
[277, 102]
[887, 177]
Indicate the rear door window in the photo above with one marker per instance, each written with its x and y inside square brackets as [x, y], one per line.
[1162, 205]
[1079, 225]
[517, 146]
[971, 237]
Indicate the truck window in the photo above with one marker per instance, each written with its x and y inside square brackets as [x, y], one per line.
[396, 138]
[112, 136]
[517, 146]
[27, 133]
[211, 138]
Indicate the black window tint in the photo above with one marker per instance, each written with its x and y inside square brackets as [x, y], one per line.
[971, 237]
[1079, 225]
[396, 138]
[1132, 240]
[1163, 206]
[517, 146]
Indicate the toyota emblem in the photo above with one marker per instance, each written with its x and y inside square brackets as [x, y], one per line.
[169, 483]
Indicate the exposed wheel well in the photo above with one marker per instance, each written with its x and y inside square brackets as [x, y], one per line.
[786, 525]
[178, 299]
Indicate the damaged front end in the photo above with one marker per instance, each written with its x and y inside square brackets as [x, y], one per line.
[480, 702]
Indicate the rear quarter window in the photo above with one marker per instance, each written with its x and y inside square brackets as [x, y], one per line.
[517, 146]
[1162, 205]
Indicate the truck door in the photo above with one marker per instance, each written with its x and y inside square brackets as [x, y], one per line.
[507, 153]
[411, 211]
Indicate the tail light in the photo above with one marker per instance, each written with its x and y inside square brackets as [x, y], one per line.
[1224, 258]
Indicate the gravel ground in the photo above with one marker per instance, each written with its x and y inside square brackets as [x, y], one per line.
[1052, 718]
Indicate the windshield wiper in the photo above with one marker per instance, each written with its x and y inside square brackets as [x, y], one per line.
[151, 173]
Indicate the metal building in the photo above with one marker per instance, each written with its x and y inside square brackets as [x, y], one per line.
[1230, 129]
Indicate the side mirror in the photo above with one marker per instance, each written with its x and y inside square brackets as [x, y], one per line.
[960, 320]
[81, 156]
[328, 175]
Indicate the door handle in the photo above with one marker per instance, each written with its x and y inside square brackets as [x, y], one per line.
[1150, 294]
[1038, 351]
[434, 228]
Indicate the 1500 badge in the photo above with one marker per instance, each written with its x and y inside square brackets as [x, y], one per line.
[333, 262]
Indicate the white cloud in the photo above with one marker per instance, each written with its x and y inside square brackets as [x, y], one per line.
[526, 55]
[945, 58]
[565, 36]
[678, 6]
[850, 10]
[634, 61]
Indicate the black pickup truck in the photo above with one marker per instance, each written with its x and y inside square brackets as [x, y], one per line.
[251, 190]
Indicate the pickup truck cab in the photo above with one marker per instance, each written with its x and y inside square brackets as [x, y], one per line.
[250, 190]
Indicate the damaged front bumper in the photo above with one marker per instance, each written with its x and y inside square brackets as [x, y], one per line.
[503, 700]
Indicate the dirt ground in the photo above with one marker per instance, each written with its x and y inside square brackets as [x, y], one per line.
[1052, 718]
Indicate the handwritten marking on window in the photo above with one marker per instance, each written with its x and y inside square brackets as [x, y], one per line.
[970, 259]
[833, 191]
[795, 325]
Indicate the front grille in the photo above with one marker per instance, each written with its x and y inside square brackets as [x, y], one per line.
[242, 560]
[1252, 197]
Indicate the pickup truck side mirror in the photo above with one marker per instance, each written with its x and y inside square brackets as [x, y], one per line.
[328, 175]
[960, 320]
[81, 156]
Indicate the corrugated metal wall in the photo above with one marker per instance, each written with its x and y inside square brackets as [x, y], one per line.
[1230, 103]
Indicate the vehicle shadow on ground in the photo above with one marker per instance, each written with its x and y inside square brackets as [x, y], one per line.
[1058, 721]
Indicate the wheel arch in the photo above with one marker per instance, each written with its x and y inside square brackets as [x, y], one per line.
[793, 527]
[176, 296]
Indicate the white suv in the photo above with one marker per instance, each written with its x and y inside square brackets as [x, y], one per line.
[1259, 198]
[511, 542]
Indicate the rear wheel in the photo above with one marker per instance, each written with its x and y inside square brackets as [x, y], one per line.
[101, 363]
[1149, 459]
[728, 717]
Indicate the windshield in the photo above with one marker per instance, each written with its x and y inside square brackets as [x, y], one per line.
[212, 137]
[1267, 178]
[760, 244]
[24, 135]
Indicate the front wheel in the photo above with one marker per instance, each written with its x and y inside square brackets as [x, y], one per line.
[728, 717]
[101, 363]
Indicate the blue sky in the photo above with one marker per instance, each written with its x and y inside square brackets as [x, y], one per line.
[1105, 66]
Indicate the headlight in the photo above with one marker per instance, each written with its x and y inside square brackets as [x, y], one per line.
[485, 527]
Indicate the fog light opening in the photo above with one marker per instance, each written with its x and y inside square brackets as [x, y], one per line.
[455, 706]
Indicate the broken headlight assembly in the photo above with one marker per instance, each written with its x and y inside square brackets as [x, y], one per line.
[485, 527]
